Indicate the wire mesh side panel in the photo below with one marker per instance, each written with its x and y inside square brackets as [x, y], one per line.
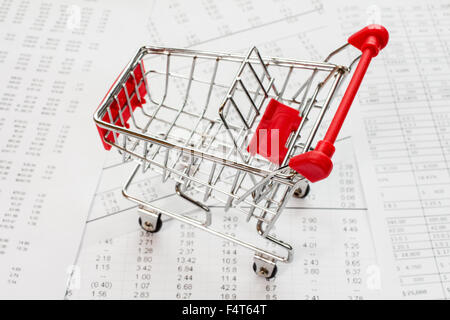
[183, 107]
[213, 105]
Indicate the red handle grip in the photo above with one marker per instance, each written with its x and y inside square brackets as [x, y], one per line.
[316, 165]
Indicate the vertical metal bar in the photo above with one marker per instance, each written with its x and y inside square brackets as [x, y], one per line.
[286, 81]
[210, 178]
[266, 71]
[233, 187]
[136, 87]
[144, 76]
[151, 117]
[200, 117]
[248, 96]
[300, 127]
[111, 120]
[166, 158]
[257, 79]
[129, 105]
[239, 112]
[325, 106]
[119, 111]
[287, 195]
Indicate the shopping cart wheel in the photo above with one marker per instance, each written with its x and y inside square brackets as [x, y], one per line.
[262, 272]
[303, 191]
[149, 227]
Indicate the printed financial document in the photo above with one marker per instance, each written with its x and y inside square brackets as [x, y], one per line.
[334, 255]
[51, 57]
[377, 228]
[403, 145]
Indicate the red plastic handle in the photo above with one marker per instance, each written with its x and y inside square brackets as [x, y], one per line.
[316, 165]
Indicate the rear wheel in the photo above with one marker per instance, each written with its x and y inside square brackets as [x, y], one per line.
[264, 273]
[147, 226]
[302, 192]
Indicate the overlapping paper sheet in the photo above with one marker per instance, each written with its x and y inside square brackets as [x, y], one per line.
[333, 256]
[402, 140]
[54, 62]
[60, 58]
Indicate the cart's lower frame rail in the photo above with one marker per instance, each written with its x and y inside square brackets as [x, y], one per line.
[150, 219]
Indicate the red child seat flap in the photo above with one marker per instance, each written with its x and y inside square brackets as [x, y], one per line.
[121, 105]
[273, 131]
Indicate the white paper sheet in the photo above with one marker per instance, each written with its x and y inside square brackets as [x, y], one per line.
[53, 57]
[403, 145]
[333, 259]
[334, 256]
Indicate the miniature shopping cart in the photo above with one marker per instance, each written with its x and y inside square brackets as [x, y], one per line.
[230, 131]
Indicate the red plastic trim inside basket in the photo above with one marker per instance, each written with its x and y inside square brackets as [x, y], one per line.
[273, 131]
[121, 105]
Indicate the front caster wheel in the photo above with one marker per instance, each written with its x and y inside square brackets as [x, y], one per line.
[302, 192]
[263, 272]
[147, 226]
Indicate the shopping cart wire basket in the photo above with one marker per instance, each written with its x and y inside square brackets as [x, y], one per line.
[231, 130]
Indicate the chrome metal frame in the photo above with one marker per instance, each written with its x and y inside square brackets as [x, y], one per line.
[189, 155]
